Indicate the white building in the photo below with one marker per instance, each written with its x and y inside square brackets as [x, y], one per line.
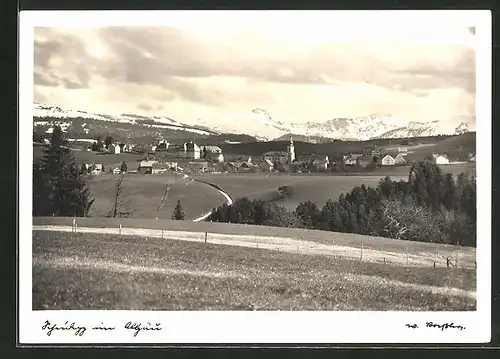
[117, 171]
[290, 149]
[114, 148]
[440, 159]
[388, 160]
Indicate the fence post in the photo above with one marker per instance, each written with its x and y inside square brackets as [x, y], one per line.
[162, 233]
[447, 263]
[206, 234]
[361, 258]
[73, 226]
[406, 255]
[384, 260]
[434, 264]
[120, 229]
[456, 259]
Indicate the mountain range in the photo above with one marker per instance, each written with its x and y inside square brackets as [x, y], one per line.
[256, 125]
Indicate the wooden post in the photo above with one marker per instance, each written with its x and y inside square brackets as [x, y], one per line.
[456, 259]
[434, 264]
[74, 222]
[361, 258]
[162, 234]
[206, 234]
[384, 260]
[120, 229]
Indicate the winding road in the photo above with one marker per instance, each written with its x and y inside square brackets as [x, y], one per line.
[228, 198]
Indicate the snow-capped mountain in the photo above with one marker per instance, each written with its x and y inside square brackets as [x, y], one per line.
[259, 124]
[61, 117]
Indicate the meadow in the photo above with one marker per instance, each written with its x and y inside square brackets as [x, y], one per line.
[316, 188]
[95, 271]
[143, 195]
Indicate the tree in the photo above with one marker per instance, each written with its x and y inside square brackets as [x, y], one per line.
[108, 141]
[123, 167]
[59, 187]
[83, 169]
[178, 211]
[121, 205]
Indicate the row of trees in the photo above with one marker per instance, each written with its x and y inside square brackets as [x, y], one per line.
[430, 206]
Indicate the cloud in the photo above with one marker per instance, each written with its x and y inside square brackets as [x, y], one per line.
[61, 61]
[171, 69]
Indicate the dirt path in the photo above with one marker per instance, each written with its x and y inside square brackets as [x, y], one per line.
[282, 244]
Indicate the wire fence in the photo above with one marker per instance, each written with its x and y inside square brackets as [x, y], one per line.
[456, 257]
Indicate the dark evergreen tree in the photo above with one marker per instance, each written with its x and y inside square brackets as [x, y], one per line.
[108, 141]
[123, 167]
[60, 188]
[178, 211]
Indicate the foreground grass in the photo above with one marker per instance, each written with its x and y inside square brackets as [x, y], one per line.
[430, 251]
[86, 271]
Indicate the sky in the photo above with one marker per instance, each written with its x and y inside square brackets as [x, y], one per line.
[298, 68]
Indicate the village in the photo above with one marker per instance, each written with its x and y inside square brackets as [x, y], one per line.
[191, 158]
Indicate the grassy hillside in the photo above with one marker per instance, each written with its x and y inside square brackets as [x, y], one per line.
[85, 271]
[144, 193]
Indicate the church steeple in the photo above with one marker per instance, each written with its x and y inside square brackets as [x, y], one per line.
[291, 151]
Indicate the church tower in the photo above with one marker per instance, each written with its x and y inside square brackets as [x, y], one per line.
[291, 151]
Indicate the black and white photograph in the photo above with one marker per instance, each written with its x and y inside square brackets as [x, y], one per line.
[255, 169]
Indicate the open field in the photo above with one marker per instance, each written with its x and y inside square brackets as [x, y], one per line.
[96, 271]
[317, 188]
[312, 242]
[144, 193]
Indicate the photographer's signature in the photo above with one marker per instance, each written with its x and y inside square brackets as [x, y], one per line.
[438, 326]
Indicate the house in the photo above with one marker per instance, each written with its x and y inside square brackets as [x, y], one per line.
[117, 171]
[162, 145]
[116, 148]
[94, 169]
[400, 159]
[171, 165]
[266, 165]
[146, 167]
[198, 166]
[192, 150]
[440, 159]
[321, 164]
[280, 156]
[364, 161]
[350, 160]
[244, 159]
[212, 151]
[158, 168]
[244, 166]
[128, 147]
[387, 160]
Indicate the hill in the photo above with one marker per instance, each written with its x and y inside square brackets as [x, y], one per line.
[456, 147]
[142, 272]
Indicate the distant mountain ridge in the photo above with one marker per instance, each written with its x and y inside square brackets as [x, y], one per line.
[257, 124]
